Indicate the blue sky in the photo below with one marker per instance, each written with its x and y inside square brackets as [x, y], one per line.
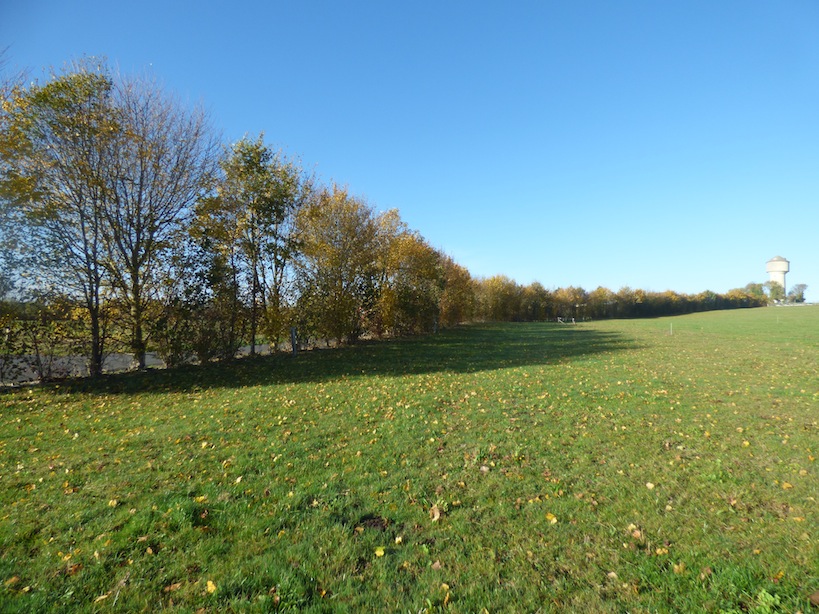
[657, 145]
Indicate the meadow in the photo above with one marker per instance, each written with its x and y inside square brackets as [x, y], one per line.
[663, 465]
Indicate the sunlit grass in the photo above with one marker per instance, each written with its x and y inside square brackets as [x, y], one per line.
[654, 465]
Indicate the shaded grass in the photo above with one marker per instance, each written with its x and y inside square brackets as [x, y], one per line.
[504, 467]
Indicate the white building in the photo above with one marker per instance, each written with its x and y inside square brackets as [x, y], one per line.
[777, 267]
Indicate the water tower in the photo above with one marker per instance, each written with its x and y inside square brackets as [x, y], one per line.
[777, 267]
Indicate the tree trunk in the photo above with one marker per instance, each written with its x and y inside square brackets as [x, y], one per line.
[137, 336]
[95, 366]
[253, 310]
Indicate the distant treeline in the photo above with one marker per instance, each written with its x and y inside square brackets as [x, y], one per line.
[500, 298]
[126, 225]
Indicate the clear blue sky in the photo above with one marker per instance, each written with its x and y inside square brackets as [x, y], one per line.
[659, 145]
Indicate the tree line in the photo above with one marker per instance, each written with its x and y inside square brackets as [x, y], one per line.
[127, 225]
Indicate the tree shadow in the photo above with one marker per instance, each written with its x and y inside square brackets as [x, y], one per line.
[466, 349]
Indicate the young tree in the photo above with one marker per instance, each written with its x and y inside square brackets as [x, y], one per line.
[250, 221]
[410, 280]
[500, 298]
[755, 290]
[55, 145]
[164, 159]
[337, 267]
[775, 291]
[797, 293]
[458, 300]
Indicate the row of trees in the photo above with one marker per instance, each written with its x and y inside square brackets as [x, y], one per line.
[501, 298]
[120, 203]
[773, 292]
[128, 224]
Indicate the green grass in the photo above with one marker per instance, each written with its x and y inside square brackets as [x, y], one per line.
[607, 467]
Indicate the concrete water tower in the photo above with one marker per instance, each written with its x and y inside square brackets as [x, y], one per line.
[777, 267]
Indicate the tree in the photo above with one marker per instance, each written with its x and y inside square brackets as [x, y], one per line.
[500, 298]
[55, 145]
[535, 303]
[775, 291]
[250, 221]
[601, 303]
[458, 300]
[410, 279]
[797, 293]
[164, 158]
[337, 266]
[570, 302]
[755, 290]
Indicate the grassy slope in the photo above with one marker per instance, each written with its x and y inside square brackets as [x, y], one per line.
[605, 467]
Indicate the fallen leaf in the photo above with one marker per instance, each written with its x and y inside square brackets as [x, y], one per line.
[172, 587]
[437, 565]
[551, 518]
[435, 513]
[211, 587]
[379, 552]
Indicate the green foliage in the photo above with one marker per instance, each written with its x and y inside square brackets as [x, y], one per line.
[797, 293]
[775, 291]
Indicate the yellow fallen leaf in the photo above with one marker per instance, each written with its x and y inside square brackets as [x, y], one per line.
[379, 552]
[435, 513]
[786, 485]
[211, 587]
[551, 518]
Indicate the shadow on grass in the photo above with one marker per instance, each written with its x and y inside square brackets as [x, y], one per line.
[462, 350]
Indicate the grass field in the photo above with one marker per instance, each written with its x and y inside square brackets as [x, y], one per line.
[644, 466]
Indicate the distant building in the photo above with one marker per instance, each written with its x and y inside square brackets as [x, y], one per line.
[777, 267]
